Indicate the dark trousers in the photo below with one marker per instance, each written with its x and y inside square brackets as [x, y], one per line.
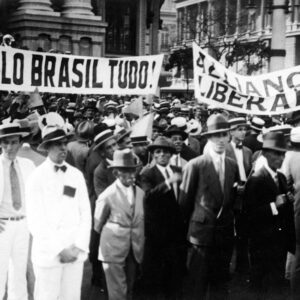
[208, 270]
[295, 278]
[267, 272]
[163, 270]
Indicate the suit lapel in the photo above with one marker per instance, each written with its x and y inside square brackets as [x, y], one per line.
[213, 180]
[124, 201]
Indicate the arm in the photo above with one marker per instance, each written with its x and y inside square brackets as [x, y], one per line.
[101, 214]
[100, 180]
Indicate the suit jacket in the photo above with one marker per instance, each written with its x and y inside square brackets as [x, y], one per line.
[252, 143]
[187, 153]
[57, 219]
[265, 228]
[202, 199]
[79, 151]
[247, 157]
[121, 227]
[163, 221]
[103, 177]
[26, 168]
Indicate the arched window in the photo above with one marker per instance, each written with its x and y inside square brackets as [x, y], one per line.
[65, 44]
[44, 42]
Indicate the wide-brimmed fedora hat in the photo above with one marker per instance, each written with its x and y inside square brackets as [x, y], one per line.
[84, 131]
[124, 158]
[174, 130]
[13, 129]
[103, 137]
[274, 141]
[257, 123]
[284, 128]
[162, 142]
[236, 122]
[216, 123]
[52, 133]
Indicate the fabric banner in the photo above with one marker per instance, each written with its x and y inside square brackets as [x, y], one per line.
[267, 94]
[22, 70]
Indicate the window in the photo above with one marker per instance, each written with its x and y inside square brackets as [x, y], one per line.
[65, 44]
[85, 46]
[121, 30]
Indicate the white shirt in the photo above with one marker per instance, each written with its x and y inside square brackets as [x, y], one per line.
[216, 158]
[240, 161]
[6, 207]
[127, 190]
[163, 169]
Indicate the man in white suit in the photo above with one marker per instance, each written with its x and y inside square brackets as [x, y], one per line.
[119, 218]
[14, 234]
[59, 219]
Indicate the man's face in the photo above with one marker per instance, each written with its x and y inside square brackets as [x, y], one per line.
[127, 176]
[10, 146]
[57, 151]
[162, 156]
[219, 141]
[155, 133]
[126, 143]
[238, 134]
[140, 149]
[109, 148]
[177, 141]
[274, 158]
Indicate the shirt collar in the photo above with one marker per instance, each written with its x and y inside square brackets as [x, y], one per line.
[8, 161]
[215, 156]
[121, 185]
[162, 169]
[270, 171]
[52, 163]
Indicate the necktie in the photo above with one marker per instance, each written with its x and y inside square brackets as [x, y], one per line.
[173, 186]
[221, 172]
[239, 146]
[62, 168]
[15, 187]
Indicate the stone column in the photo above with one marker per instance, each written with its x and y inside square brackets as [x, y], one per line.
[35, 5]
[76, 7]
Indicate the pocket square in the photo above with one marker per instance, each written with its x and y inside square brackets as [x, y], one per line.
[69, 191]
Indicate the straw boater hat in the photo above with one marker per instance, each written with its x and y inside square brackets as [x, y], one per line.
[121, 133]
[103, 137]
[295, 137]
[274, 141]
[124, 159]
[257, 123]
[52, 133]
[143, 139]
[162, 142]
[216, 123]
[12, 129]
[236, 122]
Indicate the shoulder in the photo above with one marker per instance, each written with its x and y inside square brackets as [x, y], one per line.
[26, 162]
[74, 171]
[108, 192]
[147, 170]
[247, 150]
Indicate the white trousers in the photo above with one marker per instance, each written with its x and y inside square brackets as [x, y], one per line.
[60, 282]
[14, 243]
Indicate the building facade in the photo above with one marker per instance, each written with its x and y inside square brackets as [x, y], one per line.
[248, 20]
[84, 27]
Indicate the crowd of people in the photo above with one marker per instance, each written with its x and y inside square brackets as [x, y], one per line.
[163, 216]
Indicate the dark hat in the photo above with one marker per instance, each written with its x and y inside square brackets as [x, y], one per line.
[216, 123]
[122, 133]
[174, 130]
[295, 117]
[162, 142]
[236, 122]
[274, 141]
[124, 158]
[257, 123]
[51, 134]
[284, 128]
[139, 139]
[13, 129]
[103, 137]
[84, 131]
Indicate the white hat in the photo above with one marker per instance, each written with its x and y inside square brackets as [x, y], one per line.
[295, 136]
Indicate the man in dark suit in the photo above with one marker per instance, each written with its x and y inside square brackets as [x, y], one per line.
[164, 256]
[269, 212]
[243, 157]
[207, 199]
[251, 141]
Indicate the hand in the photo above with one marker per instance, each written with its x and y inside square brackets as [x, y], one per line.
[176, 177]
[2, 225]
[67, 255]
[280, 200]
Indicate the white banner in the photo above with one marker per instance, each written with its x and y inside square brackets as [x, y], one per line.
[58, 73]
[268, 94]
